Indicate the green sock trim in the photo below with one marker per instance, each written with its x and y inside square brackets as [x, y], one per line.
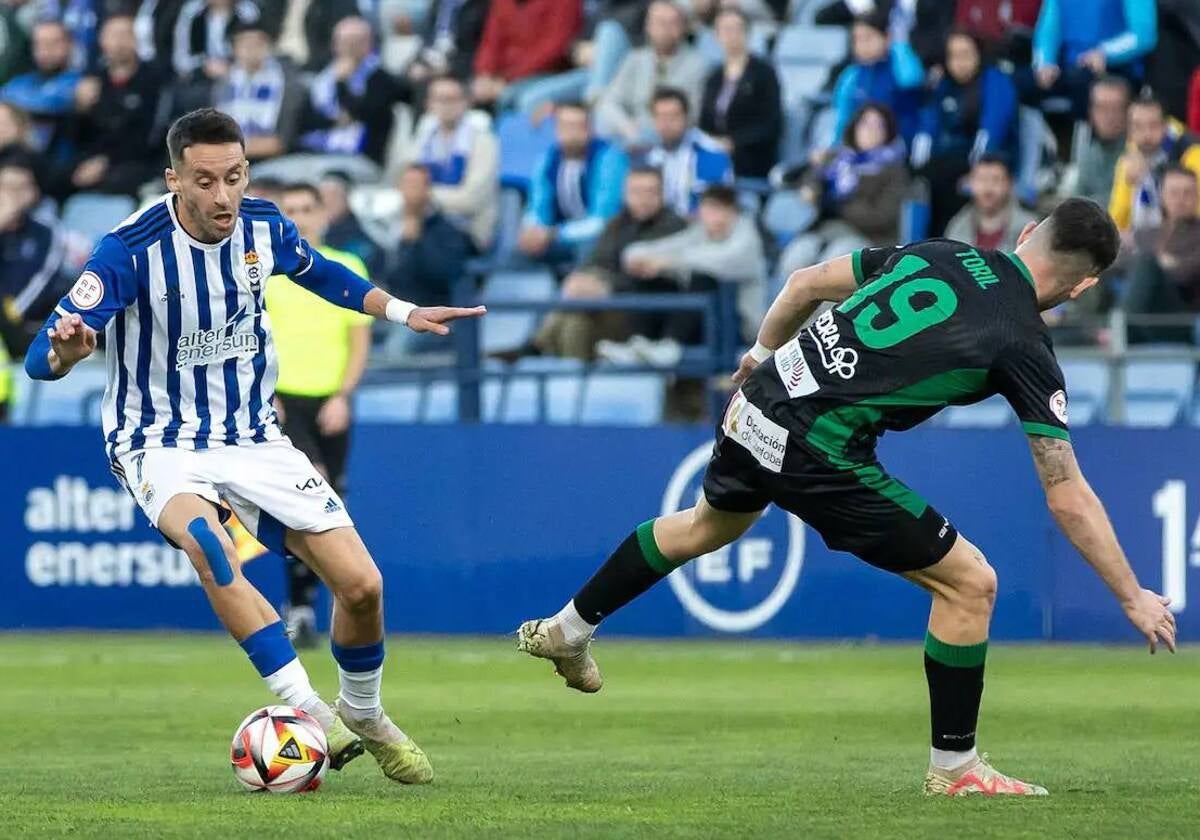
[654, 558]
[956, 656]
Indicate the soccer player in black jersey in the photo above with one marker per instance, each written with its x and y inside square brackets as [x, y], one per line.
[913, 329]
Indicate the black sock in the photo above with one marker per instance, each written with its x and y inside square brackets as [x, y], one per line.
[634, 567]
[302, 584]
[955, 675]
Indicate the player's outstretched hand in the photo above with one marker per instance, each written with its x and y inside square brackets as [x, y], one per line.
[1148, 612]
[745, 368]
[433, 319]
[71, 340]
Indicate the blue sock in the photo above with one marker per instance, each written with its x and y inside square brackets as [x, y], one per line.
[360, 675]
[269, 648]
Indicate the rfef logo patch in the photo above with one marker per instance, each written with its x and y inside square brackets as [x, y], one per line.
[87, 292]
[1058, 405]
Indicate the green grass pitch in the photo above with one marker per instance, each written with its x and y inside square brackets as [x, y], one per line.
[127, 736]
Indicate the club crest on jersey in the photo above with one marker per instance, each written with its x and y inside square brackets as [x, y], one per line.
[147, 492]
[253, 269]
[87, 292]
[202, 347]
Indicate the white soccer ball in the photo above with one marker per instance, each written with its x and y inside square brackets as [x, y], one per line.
[281, 749]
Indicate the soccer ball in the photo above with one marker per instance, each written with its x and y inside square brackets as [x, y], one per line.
[281, 749]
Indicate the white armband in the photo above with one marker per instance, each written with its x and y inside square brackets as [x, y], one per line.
[398, 310]
[760, 352]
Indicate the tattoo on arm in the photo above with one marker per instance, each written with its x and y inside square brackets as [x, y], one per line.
[1055, 460]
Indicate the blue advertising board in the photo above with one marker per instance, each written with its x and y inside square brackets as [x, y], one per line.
[478, 527]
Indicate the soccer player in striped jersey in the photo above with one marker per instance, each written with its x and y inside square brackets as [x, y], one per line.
[188, 419]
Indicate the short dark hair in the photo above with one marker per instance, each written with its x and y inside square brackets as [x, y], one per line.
[572, 105]
[877, 20]
[266, 184]
[20, 159]
[644, 169]
[1148, 100]
[1082, 229]
[671, 94]
[202, 126]
[258, 24]
[1112, 80]
[736, 11]
[303, 187]
[447, 77]
[996, 159]
[1180, 170]
[721, 194]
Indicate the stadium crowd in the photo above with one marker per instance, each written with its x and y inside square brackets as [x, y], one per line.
[627, 146]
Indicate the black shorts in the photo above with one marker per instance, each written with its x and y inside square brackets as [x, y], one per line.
[328, 451]
[863, 511]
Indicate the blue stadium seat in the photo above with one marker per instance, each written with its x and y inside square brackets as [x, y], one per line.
[1157, 390]
[799, 82]
[92, 215]
[821, 45]
[521, 147]
[786, 214]
[504, 330]
[992, 413]
[820, 130]
[71, 401]
[623, 399]
[527, 400]
[387, 403]
[1087, 390]
[441, 403]
[1034, 140]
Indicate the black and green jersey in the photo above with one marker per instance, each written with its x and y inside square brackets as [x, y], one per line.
[933, 324]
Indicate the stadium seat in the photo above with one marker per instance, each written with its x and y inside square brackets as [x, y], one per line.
[527, 400]
[506, 329]
[521, 147]
[786, 214]
[91, 215]
[387, 403]
[820, 130]
[1087, 390]
[71, 401]
[992, 413]
[818, 45]
[1035, 143]
[441, 403]
[800, 82]
[1157, 390]
[623, 399]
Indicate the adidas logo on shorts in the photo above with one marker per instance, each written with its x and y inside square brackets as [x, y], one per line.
[331, 505]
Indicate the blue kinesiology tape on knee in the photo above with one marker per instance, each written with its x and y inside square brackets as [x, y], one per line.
[213, 552]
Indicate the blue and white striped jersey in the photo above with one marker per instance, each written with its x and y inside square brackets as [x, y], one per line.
[189, 353]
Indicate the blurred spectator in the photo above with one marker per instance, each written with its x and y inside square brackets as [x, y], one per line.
[118, 117]
[741, 109]
[644, 217]
[14, 130]
[345, 232]
[858, 193]
[993, 220]
[31, 257]
[432, 250]
[322, 351]
[272, 189]
[689, 159]
[82, 19]
[154, 27]
[883, 69]
[14, 43]
[350, 105]
[1193, 109]
[1100, 36]
[321, 17]
[971, 111]
[261, 93]
[617, 26]
[923, 22]
[1107, 117]
[47, 93]
[574, 191]
[522, 41]
[461, 154]
[623, 110]
[1165, 273]
[1176, 51]
[450, 40]
[723, 244]
[202, 46]
[1004, 27]
[1154, 144]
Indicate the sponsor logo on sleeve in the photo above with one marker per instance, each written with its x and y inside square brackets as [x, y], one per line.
[87, 292]
[793, 369]
[836, 359]
[762, 437]
[1058, 405]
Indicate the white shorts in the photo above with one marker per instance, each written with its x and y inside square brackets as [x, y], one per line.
[271, 486]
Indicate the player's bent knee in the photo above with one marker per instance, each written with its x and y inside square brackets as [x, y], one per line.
[209, 554]
[362, 594]
[976, 587]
